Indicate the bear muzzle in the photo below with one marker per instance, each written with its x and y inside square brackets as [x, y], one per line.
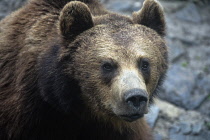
[135, 101]
[136, 98]
[131, 97]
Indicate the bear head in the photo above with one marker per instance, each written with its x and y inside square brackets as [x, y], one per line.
[118, 61]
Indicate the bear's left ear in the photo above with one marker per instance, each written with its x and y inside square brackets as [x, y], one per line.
[151, 15]
[75, 18]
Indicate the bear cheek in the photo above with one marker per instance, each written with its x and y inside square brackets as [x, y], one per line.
[153, 80]
[95, 93]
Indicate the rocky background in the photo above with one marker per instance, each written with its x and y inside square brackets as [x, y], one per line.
[182, 110]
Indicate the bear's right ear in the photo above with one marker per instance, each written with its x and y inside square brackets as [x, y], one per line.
[151, 15]
[75, 18]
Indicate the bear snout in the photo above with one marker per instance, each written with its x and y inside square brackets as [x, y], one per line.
[133, 106]
[136, 99]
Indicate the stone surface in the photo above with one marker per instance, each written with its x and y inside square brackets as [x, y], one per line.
[175, 123]
[189, 13]
[7, 6]
[185, 128]
[153, 115]
[124, 6]
[185, 86]
[176, 49]
[172, 6]
[158, 137]
[204, 107]
[197, 127]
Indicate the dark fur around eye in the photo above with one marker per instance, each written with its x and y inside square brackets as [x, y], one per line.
[108, 71]
[107, 67]
[144, 66]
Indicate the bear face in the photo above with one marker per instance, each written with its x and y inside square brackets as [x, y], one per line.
[118, 61]
[122, 74]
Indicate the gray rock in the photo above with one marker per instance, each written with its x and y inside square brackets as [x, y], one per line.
[189, 104]
[197, 127]
[168, 110]
[158, 137]
[204, 107]
[7, 6]
[200, 92]
[174, 135]
[172, 6]
[203, 82]
[205, 9]
[174, 123]
[2, 15]
[124, 6]
[136, 5]
[184, 88]
[189, 33]
[176, 49]
[121, 6]
[185, 128]
[175, 129]
[178, 86]
[198, 57]
[152, 116]
[204, 135]
[189, 13]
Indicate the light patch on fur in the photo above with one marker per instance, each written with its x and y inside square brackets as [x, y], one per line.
[128, 79]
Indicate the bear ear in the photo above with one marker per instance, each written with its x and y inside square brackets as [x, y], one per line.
[75, 18]
[151, 15]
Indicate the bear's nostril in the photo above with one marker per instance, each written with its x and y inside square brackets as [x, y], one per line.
[136, 100]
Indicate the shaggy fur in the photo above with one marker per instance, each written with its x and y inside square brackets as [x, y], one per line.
[52, 85]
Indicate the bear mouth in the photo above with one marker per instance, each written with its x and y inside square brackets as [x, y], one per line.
[131, 117]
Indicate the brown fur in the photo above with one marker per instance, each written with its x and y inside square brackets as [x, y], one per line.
[51, 85]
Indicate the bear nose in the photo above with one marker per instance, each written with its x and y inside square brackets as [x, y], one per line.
[136, 99]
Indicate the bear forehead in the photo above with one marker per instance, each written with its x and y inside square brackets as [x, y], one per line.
[119, 38]
[129, 40]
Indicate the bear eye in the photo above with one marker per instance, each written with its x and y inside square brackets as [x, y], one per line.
[107, 67]
[144, 65]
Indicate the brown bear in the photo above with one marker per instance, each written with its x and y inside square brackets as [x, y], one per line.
[72, 70]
